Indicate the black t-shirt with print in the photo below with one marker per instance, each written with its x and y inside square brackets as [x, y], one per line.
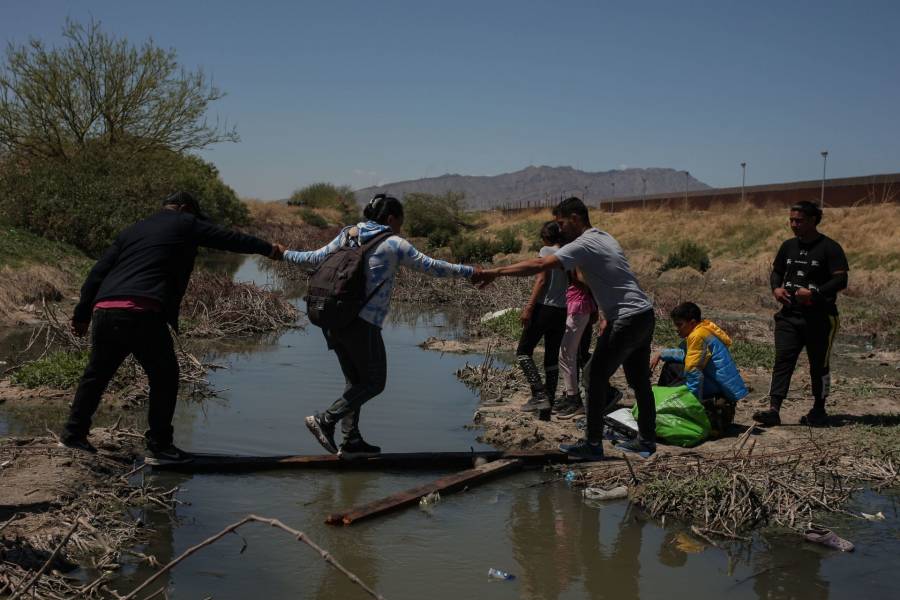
[809, 265]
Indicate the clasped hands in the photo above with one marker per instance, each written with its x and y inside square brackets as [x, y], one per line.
[483, 277]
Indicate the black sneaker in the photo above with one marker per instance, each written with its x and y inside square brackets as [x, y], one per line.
[77, 443]
[815, 418]
[166, 454]
[637, 446]
[358, 449]
[570, 407]
[536, 404]
[767, 418]
[323, 432]
[583, 450]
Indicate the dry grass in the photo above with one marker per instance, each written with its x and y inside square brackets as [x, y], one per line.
[870, 234]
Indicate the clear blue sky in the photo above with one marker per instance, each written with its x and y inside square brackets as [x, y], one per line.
[364, 92]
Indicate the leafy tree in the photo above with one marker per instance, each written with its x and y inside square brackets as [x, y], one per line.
[95, 133]
[88, 199]
[427, 213]
[55, 102]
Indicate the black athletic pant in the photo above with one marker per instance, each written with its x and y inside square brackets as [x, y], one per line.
[360, 351]
[115, 334]
[793, 332]
[548, 322]
[625, 342]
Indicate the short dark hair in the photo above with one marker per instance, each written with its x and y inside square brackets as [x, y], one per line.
[551, 232]
[686, 311]
[382, 206]
[571, 206]
[810, 209]
[182, 198]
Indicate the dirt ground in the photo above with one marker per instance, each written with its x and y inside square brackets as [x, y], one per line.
[865, 387]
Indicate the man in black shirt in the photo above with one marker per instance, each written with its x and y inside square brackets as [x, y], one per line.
[132, 295]
[808, 272]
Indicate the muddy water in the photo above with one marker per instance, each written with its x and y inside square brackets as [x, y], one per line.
[558, 545]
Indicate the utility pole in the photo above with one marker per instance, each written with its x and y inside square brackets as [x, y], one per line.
[743, 179]
[824, 161]
[687, 175]
[612, 200]
[644, 193]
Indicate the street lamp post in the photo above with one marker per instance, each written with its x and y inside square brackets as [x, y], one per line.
[824, 161]
[644, 193]
[743, 179]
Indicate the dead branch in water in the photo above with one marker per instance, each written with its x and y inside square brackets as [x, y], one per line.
[298, 535]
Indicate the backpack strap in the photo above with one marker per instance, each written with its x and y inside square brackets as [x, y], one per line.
[376, 239]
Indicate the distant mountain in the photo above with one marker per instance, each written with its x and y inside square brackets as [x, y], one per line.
[537, 184]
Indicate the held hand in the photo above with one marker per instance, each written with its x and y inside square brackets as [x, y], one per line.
[601, 326]
[277, 252]
[483, 278]
[782, 295]
[79, 328]
[654, 361]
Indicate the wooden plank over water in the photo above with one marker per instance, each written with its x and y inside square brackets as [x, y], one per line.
[445, 486]
[221, 463]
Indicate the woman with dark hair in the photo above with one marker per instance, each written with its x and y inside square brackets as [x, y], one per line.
[544, 317]
[359, 346]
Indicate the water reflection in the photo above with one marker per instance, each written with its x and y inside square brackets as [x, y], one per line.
[556, 541]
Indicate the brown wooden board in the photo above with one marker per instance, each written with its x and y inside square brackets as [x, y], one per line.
[220, 463]
[445, 486]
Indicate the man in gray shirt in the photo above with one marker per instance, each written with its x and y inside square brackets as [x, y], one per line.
[625, 340]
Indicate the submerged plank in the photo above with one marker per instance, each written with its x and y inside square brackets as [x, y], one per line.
[444, 485]
[221, 463]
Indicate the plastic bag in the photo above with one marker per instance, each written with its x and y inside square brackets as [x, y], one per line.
[680, 418]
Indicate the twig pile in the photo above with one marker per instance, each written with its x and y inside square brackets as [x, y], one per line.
[494, 384]
[728, 494]
[130, 379]
[215, 306]
[93, 528]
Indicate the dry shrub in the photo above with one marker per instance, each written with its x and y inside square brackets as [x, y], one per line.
[216, 306]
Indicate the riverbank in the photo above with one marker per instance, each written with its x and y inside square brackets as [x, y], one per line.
[61, 509]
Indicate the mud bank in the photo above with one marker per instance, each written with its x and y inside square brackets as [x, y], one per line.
[62, 508]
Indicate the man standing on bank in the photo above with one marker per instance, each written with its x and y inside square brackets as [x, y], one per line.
[809, 271]
[626, 338]
[132, 295]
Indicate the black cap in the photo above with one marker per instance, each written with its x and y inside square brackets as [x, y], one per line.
[186, 199]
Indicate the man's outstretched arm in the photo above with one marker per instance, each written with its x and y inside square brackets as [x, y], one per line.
[525, 268]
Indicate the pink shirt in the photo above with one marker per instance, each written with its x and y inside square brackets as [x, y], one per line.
[579, 300]
[135, 303]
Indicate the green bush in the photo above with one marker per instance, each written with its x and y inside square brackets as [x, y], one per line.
[86, 200]
[427, 213]
[507, 325]
[508, 242]
[323, 195]
[59, 370]
[473, 249]
[311, 217]
[439, 238]
[688, 254]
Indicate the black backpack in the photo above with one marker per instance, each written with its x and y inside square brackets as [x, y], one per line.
[337, 288]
